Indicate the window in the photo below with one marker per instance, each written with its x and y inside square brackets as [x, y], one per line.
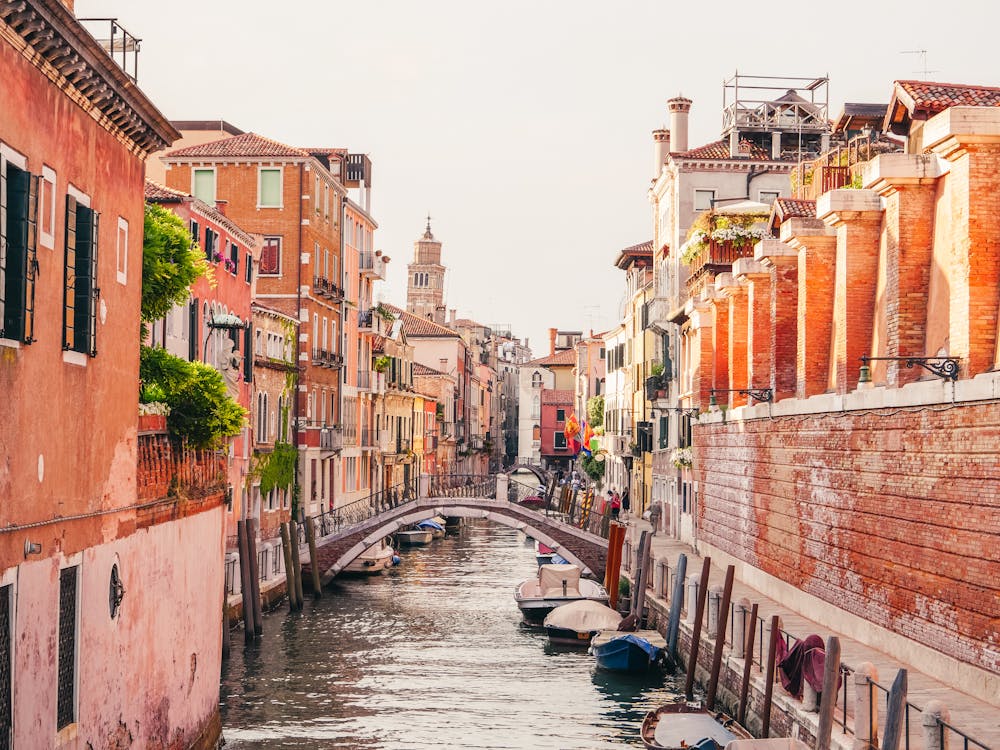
[769, 196]
[80, 291]
[6, 666]
[559, 441]
[249, 268]
[560, 415]
[18, 264]
[703, 199]
[203, 185]
[47, 212]
[269, 188]
[121, 251]
[195, 233]
[535, 407]
[66, 698]
[270, 257]
[234, 259]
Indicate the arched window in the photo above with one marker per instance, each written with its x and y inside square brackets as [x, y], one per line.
[536, 407]
[536, 380]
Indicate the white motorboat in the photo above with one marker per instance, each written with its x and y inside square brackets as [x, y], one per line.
[414, 537]
[554, 586]
[372, 561]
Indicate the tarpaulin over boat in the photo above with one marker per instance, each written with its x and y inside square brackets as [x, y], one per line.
[429, 524]
[582, 616]
[559, 580]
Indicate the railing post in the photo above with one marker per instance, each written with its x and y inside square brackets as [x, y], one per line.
[935, 738]
[740, 628]
[714, 596]
[692, 597]
[865, 706]
[503, 483]
[424, 486]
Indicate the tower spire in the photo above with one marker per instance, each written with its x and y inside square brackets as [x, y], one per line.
[427, 234]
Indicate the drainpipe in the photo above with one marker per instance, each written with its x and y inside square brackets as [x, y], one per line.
[296, 487]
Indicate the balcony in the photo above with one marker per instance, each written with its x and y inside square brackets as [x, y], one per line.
[359, 170]
[117, 42]
[323, 287]
[322, 435]
[328, 359]
[840, 167]
[371, 265]
[403, 445]
[714, 258]
[367, 437]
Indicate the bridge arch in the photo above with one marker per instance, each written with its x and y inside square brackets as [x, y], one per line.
[542, 477]
[587, 551]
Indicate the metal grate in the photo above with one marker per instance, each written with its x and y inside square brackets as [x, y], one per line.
[5, 668]
[65, 711]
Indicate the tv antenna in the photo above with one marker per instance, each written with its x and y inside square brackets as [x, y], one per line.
[923, 61]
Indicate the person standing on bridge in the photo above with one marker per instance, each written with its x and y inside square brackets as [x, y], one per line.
[616, 505]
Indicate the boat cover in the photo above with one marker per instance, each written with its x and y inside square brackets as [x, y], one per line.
[582, 616]
[430, 524]
[647, 640]
[552, 577]
[558, 559]
[688, 729]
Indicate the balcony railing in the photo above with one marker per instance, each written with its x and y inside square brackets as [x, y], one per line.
[364, 380]
[840, 167]
[325, 358]
[403, 445]
[371, 264]
[323, 287]
[117, 42]
[367, 437]
[715, 258]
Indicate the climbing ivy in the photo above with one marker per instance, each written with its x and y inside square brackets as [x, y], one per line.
[277, 468]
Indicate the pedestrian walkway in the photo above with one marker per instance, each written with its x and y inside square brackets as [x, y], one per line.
[976, 718]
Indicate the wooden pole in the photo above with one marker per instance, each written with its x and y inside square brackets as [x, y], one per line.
[769, 684]
[751, 636]
[246, 588]
[286, 548]
[642, 574]
[699, 614]
[293, 532]
[227, 640]
[828, 701]
[895, 712]
[258, 620]
[676, 605]
[720, 636]
[317, 586]
[614, 566]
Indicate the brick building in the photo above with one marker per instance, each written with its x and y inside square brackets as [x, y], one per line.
[95, 542]
[867, 492]
[294, 199]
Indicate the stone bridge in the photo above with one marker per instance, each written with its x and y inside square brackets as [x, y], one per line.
[588, 551]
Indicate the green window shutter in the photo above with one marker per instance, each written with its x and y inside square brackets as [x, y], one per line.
[270, 187]
[204, 185]
[85, 290]
[69, 275]
[18, 257]
[31, 261]
[248, 354]
[193, 331]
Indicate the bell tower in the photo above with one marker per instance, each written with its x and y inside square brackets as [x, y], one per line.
[425, 279]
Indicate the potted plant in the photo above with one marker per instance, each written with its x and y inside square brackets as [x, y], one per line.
[682, 458]
[381, 364]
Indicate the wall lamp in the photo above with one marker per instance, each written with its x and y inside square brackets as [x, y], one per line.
[757, 394]
[32, 548]
[943, 367]
[691, 412]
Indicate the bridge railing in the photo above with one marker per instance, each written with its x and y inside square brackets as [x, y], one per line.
[343, 516]
[463, 485]
[581, 508]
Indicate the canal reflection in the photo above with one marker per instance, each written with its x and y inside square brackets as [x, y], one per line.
[430, 655]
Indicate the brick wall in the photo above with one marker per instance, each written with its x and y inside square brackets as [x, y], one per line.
[891, 518]
[164, 470]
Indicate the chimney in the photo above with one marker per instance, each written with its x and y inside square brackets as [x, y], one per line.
[734, 144]
[679, 107]
[552, 341]
[451, 317]
[661, 147]
[220, 206]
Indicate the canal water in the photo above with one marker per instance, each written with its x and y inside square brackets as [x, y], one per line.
[428, 655]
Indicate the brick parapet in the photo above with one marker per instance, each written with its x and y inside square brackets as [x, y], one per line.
[164, 469]
[782, 262]
[736, 293]
[817, 251]
[891, 517]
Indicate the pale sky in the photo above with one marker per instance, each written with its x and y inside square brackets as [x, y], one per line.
[523, 127]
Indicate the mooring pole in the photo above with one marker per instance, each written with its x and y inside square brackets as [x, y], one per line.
[706, 567]
[245, 585]
[772, 650]
[720, 636]
[293, 532]
[317, 586]
[258, 620]
[895, 713]
[676, 605]
[828, 701]
[751, 636]
[286, 549]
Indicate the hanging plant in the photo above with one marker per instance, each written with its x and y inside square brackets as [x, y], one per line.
[682, 458]
[277, 468]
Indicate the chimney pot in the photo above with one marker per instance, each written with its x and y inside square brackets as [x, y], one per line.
[679, 107]
[220, 206]
[552, 341]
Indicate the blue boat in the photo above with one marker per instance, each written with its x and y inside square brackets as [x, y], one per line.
[628, 652]
[436, 529]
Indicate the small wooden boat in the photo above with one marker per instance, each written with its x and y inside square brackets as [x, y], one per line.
[574, 624]
[555, 586]
[432, 525]
[691, 726]
[414, 537]
[628, 652]
[372, 561]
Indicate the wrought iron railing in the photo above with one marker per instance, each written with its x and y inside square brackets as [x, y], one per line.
[581, 508]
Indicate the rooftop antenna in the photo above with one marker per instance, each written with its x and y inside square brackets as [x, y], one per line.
[923, 61]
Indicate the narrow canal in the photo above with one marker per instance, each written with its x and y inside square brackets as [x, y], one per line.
[429, 655]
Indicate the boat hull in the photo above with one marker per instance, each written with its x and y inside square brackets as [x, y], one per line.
[569, 637]
[689, 725]
[627, 652]
[414, 538]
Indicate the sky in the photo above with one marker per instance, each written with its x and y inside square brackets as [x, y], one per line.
[523, 127]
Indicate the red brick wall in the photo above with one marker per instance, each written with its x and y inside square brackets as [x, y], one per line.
[892, 518]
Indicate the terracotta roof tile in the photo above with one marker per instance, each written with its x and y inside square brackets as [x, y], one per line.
[788, 208]
[559, 359]
[720, 150]
[467, 323]
[930, 97]
[415, 326]
[419, 369]
[162, 194]
[248, 145]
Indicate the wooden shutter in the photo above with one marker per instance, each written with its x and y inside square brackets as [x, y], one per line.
[31, 260]
[248, 353]
[194, 332]
[69, 275]
[85, 289]
[209, 244]
[22, 192]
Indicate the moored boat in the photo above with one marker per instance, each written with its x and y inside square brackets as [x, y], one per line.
[372, 561]
[673, 726]
[554, 586]
[431, 525]
[414, 537]
[628, 652]
[574, 624]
